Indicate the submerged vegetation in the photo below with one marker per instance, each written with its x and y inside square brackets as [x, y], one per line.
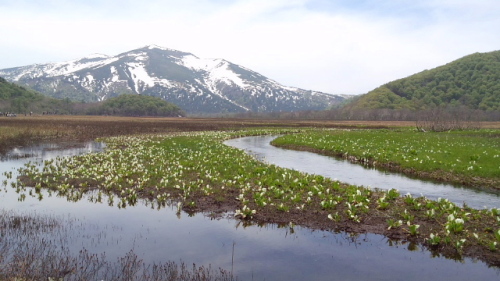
[463, 157]
[196, 172]
[35, 247]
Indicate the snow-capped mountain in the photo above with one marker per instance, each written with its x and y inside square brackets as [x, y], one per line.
[195, 84]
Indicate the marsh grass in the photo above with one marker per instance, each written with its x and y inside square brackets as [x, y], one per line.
[22, 131]
[196, 172]
[465, 157]
[20, 136]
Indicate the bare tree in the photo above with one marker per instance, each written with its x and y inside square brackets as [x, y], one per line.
[440, 119]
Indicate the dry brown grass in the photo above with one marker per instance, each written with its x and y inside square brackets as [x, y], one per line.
[24, 130]
[28, 129]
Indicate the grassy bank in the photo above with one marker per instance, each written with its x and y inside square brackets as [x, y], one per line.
[470, 158]
[196, 172]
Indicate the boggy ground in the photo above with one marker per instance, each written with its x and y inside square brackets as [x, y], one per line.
[373, 221]
[26, 130]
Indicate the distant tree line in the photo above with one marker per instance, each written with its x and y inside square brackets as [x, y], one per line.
[15, 99]
[380, 114]
[136, 105]
[442, 119]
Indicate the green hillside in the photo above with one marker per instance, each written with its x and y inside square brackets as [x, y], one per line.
[20, 100]
[472, 81]
[17, 99]
[136, 105]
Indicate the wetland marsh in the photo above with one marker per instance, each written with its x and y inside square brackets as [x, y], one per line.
[150, 180]
[362, 175]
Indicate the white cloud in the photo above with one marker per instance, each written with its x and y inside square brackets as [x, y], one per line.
[331, 46]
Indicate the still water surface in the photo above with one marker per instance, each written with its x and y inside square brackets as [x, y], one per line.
[260, 253]
[355, 174]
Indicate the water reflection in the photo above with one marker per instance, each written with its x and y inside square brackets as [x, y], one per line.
[261, 252]
[52, 150]
[345, 171]
[255, 252]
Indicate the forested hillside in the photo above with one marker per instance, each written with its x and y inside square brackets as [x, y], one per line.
[136, 105]
[472, 81]
[19, 100]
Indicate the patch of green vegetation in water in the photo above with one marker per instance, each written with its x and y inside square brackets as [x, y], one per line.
[467, 154]
[191, 169]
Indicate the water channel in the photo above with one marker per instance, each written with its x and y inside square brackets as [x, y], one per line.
[359, 175]
[253, 252]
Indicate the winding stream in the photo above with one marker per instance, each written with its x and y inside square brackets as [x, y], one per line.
[347, 172]
[260, 253]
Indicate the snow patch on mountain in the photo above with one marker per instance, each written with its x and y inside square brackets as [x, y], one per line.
[66, 68]
[114, 74]
[216, 70]
[139, 76]
[151, 47]
[223, 73]
[96, 56]
[199, 85]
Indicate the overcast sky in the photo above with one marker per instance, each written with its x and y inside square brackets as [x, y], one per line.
[334, 46]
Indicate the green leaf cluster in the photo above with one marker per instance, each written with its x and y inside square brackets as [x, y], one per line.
[137, 105]
[472, 81]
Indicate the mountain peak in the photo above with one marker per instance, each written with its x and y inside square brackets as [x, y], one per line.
[195, 84]
[96, 56]
[159, 48]
[153, 46]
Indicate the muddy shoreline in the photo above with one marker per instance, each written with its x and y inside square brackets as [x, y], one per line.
[375, 222]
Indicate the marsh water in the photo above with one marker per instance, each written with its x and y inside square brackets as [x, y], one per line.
[253, 252]
[355, 174]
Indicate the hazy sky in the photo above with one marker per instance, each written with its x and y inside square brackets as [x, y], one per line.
[335, 46]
